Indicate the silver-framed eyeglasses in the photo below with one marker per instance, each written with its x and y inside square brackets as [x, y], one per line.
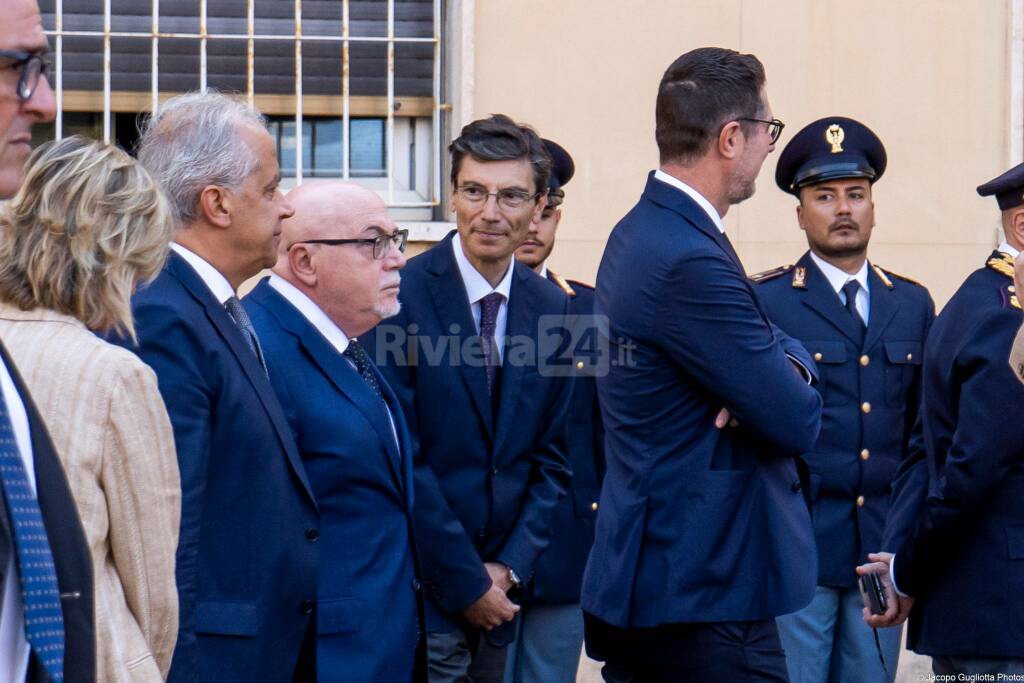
[509, 198]
[31, 66]
[381, 244]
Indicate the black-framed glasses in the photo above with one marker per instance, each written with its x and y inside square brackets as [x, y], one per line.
[381, 243]
[32, 66]
[775, 126]
[509, 198]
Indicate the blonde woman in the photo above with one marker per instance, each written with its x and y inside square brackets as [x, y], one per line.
[87, 226]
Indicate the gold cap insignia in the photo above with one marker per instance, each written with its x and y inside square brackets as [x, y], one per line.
[834, 135]
[800, 277]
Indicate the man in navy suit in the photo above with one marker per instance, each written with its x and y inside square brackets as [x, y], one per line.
[865, 328]
[958, 501]
[26, 99]
[550, 627]
[489, 420]
[248, 553]
[703, 534]
[336, 277]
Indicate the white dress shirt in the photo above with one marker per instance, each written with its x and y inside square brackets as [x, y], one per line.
[1006, 248]
[14, 647]
[838, 279]
[477, 287]
[334, 335]
[214, 279]
[701, 200]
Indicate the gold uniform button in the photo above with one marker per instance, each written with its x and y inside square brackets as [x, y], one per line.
[579, 365]
[865, 407]
[860, 501]
[910, 356]
[864, 360]
[818, 356]
[593, 506]
[865, 454]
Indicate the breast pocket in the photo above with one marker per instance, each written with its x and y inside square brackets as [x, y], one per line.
[902, 361]
[828, 356]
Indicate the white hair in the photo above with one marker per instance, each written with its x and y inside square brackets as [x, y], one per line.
[193, 141]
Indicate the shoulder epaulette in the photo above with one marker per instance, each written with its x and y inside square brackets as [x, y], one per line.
[1002, 264]
[580, 285]
[888, 283]
[767, 275]
[561, 282]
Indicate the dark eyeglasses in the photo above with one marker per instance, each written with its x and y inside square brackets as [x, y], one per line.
[381, 244]
[774, 126]
[32, 66]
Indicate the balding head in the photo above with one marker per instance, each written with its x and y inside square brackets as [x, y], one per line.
[353, 288]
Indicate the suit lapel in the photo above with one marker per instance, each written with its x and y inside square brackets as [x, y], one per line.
[232, 336]
[336, 368]
[821, 298]
[518, 327]
[883, 309]
[449, 295]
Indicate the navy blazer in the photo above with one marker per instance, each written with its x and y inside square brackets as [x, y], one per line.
[853, 463]
[68, 545]
[247, 560]
[367, 602]
[959, 537]
[696, 524]
[559, 571]
[487, 486]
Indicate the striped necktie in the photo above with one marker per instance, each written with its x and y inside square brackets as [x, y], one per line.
[44, 620]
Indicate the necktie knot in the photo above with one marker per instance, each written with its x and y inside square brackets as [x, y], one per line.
[237, 312]
[361, 360]
[850, 290]
[489, 307]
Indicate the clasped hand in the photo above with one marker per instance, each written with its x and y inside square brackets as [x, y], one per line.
[493, 608]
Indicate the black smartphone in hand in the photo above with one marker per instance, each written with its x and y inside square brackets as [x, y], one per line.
[873, 593]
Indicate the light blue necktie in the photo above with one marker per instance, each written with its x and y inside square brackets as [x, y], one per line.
[44, 621]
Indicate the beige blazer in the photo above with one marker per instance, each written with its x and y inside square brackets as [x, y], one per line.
[103, 410]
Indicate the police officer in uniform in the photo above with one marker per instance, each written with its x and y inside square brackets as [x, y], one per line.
[865, 328]
[550, 627]
[957, 526]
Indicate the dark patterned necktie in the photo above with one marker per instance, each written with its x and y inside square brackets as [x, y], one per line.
[44, 620]
[357, 354]
[850, 289]
[489, 307]
[241, 318]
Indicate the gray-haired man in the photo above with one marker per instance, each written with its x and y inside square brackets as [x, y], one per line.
[248, 556]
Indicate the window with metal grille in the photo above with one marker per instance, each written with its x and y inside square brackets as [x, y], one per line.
[352, 87]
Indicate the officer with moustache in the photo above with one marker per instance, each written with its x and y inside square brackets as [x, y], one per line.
[865, 328]
[550, 627]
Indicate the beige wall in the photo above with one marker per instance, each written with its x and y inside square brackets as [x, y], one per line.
[929, 76]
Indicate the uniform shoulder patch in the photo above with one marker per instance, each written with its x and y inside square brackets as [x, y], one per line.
[767, 275]
[1002, 264]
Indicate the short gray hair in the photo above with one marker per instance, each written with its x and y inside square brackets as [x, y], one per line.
[193, 142]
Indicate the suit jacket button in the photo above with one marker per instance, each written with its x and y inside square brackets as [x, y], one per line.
[416, 585]
[306, 606]
[312, 535]
[860, 501]
[865, 407]
[796, 487]
[864, 360]
[494, 472]
[865, 454]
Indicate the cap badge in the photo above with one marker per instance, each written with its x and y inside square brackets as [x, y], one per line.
[834, 136]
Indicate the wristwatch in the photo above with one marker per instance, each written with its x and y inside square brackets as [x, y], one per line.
[514, 578]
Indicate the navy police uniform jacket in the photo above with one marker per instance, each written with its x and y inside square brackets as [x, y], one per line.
[360, 467]
[488, 471]
[870, 384]
[957, 526]
[559, 569]
[696, 524]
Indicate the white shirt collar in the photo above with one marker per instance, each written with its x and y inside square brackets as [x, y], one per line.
[544, 270]
[1007, 248]
[311, 312]
[477, 286]
[709, 209]
[218, 284]
[838, 277]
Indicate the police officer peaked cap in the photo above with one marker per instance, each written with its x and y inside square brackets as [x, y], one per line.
[830, 148]
[562, 167]
[1008, 188]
